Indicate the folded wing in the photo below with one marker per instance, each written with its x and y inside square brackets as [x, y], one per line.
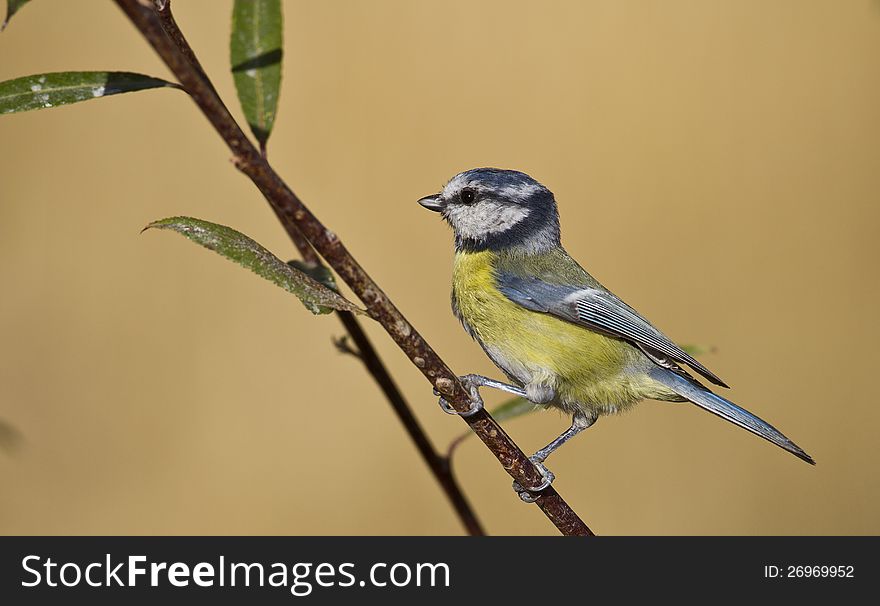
[599, 310]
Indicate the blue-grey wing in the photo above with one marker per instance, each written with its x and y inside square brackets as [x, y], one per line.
[599, 310]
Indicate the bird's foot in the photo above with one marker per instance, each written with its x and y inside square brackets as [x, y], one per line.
[472, 384]
[530, 495]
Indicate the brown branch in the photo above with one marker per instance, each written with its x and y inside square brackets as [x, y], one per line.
[166, 17]
[169, 26]
[289, 208]
[367, 352]
[438, 465]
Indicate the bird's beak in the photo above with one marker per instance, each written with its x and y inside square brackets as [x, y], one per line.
[433, 203]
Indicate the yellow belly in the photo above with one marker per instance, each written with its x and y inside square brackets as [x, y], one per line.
[585, 368]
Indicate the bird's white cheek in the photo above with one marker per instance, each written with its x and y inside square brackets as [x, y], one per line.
[485, 218]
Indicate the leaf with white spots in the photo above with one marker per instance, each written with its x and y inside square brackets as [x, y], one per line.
[255, 53]
[241, 249]
[42, 91]
[319, 272]
[12, 7]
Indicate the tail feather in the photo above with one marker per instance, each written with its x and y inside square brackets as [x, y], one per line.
[727, 410]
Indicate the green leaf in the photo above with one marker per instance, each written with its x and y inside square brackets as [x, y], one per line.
[12, 7]
[513, 408]
[510, 409]
[255, 52]
[237, 247]
[696, 350]
[321, 273]
[62, 88]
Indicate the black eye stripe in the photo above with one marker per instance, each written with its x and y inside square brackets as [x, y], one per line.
[467, 195]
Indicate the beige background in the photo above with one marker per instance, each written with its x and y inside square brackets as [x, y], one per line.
[717, 164]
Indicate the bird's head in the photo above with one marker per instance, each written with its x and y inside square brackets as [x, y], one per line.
[492, 209]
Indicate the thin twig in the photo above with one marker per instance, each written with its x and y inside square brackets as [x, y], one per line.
[454, 444]
[366, 352]
[343, 346]
[288, 206]
[436, 463]
[169, 26]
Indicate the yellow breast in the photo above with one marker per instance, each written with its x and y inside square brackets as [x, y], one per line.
[584, 367]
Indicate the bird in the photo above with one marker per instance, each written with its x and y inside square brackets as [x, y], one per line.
[562, 338]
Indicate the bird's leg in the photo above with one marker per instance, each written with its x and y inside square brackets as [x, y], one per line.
[481, 381]
[473, 383]
[579, 422]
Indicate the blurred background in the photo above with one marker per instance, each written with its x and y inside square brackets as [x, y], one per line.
[716, 164]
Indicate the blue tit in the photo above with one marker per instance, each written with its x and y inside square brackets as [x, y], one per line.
[564, 339]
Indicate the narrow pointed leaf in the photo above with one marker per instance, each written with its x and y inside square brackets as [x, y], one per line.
[241, 249]
[320, 273]
[510, 409]
[12, 7]
[696, 350]
[62, 88]
[255, 52]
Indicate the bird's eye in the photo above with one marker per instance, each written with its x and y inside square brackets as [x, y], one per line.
[467, 196]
